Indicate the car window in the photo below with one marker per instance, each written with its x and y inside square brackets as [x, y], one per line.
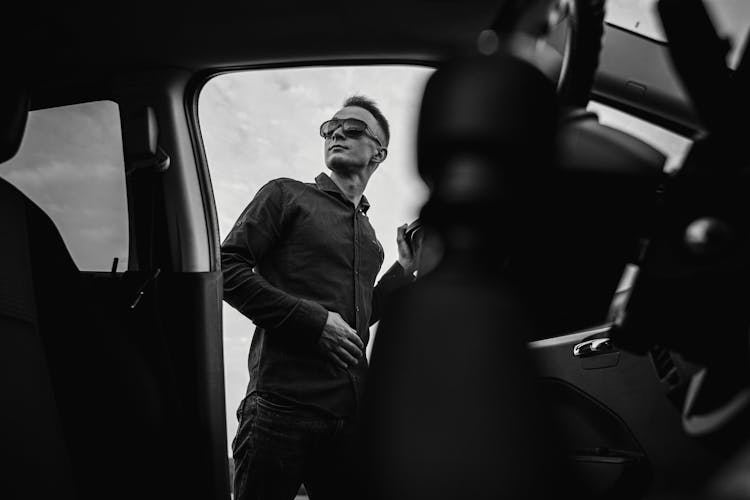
[730, 19]
[674, 146]
[71, 165]
[264, 124]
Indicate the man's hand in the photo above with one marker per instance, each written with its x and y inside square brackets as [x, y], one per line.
[406, 256]
[340, 342]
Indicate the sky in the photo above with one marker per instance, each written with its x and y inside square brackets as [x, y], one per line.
[71, 164]
[262, 125]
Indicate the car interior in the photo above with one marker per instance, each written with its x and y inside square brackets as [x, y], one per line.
[113, 374]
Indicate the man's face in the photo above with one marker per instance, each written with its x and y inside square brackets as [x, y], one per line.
[343, 152]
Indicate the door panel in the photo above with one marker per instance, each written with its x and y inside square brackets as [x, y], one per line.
[613, 400]
[138, 376]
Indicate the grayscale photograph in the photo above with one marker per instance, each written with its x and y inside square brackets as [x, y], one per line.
[401, 250]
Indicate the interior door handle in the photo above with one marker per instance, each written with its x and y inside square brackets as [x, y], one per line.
[593, 347]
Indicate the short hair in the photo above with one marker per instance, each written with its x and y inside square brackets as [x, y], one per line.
[368, 104]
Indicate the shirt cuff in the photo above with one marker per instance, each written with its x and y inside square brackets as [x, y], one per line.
[396, 275]
[309, 317]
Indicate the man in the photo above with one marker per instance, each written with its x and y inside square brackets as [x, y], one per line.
[301, 262]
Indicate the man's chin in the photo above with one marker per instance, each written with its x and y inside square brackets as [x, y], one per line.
[337, 164]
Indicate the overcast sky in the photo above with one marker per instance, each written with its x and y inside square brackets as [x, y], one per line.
[71, 164]
[261, 125]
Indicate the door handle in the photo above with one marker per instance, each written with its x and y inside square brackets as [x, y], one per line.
[593, 347]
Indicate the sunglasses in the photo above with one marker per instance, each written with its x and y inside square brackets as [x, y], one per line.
[351, 127]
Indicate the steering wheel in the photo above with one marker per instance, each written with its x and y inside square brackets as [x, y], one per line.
[579, 38]
[563, 38]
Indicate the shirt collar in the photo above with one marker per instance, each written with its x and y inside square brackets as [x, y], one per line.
[325, 183]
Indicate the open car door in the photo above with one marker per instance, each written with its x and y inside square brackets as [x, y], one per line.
[650, 399]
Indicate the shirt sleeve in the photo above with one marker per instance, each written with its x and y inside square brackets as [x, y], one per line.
[393, 279]
[255, 234]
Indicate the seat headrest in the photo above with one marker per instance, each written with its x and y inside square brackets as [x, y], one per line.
[500, 108]
[14, 112]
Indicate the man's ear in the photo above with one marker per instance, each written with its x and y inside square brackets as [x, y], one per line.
[380, 155]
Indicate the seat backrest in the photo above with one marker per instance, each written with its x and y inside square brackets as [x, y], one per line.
[85, 414]
[452, 409]
[31, 428]
[14, 112]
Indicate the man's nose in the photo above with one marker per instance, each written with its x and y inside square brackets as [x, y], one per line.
[338, 133]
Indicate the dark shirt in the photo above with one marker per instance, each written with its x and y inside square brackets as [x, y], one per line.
[298, 251]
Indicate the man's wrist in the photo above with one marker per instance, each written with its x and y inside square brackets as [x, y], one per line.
[311, 317]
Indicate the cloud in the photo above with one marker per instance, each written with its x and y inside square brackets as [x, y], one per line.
[282, 83]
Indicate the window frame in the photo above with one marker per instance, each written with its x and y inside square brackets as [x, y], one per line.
[192, 96]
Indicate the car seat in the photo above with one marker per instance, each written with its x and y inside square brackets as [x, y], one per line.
[33, 440]
[452, 410]
[84, 402]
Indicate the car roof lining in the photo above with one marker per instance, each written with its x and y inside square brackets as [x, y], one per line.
[55, 49]
[222, 33]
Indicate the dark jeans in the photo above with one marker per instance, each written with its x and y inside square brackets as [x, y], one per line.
[278, 447]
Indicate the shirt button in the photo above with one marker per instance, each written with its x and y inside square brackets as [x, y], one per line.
[357, 308]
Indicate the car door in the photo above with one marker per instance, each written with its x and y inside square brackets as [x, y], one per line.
[622, 430]
[620, 412]
[126, 301]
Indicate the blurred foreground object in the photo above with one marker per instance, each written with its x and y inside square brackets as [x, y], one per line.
[452, 407]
